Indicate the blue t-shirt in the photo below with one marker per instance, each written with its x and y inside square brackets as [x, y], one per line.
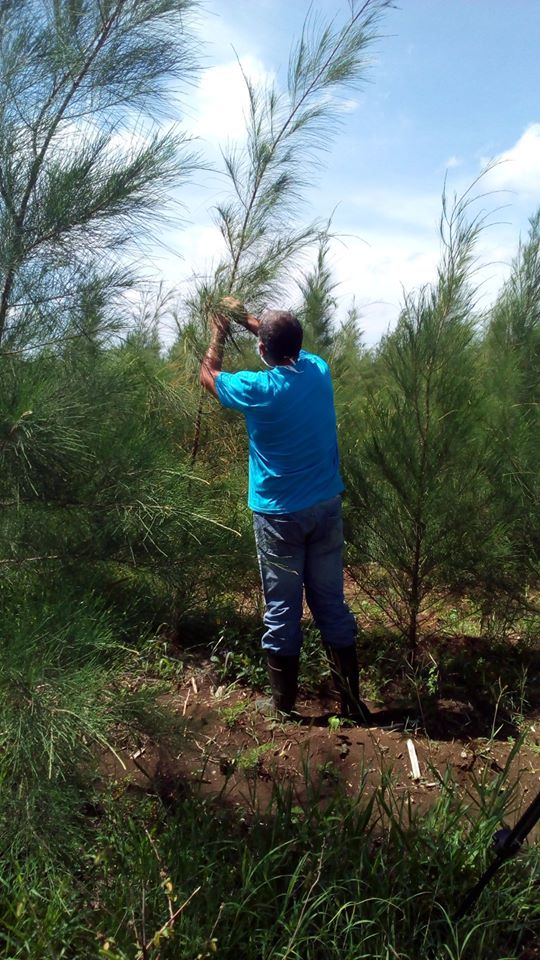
[291, 425]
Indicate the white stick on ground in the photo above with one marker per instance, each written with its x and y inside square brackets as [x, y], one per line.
[415, 767]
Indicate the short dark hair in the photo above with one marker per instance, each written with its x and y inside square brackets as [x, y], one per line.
[281, 333]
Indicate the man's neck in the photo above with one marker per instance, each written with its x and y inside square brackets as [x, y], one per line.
[279, 363]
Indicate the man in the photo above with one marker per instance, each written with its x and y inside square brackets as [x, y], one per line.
[295, 494]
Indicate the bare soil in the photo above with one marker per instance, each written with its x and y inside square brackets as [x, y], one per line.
[236, 755]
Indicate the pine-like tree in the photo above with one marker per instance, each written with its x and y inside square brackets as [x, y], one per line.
[319, 304]
[415, 469]
[512, 374]
[286, 133]
[76, 79]
[90, 485]
[82, 173]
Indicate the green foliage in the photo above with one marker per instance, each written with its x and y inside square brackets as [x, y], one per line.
[285, 133]
[280, 884]
[75, 184]
[109, 535]
[512, 374]
[93, 488]
[64, 687]
[334, 724]
[236, 654]
[319, 304]
[414, 469]
[94, 484]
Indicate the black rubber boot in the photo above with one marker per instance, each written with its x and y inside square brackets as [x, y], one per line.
[344, 668]
[283, 676]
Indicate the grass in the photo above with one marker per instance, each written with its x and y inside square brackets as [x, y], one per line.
[232, 715]
[92, 873]
[352, 878]
[251, 758]
[236, 654]
[68, 693]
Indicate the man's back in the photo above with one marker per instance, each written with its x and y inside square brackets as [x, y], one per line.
[291, 424]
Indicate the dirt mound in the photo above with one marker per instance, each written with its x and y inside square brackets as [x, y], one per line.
[231, 752]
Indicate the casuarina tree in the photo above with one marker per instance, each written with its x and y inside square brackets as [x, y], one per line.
[86, 490]
[286, 132]
[318, 302]
[511, 369]
[82, 173]
[415, 469]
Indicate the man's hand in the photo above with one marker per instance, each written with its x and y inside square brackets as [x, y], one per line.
[229, 308]
[233, 306]
[235, 310]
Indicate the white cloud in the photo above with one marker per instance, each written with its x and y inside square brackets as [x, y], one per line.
[346, 106]
[518, 169]
[377, 272]
[220, 104]
[390, 259]
[121, 142]
[453, 162]
[187, 253]
[131, 141]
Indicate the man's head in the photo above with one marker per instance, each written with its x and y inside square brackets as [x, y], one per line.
[280, 336]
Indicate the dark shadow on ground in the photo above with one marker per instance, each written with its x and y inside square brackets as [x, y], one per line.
[447, 720]
[442, 721]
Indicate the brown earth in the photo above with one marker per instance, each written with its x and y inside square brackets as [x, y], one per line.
[231, 752]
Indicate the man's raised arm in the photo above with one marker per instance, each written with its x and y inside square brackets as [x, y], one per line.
[251, 323]
[213, 358]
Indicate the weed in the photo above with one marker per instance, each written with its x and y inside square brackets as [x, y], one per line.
[334, 724]
[231, 715]
[366, 876]
[314, 666]
[328, 771]
[252, 758]
[425, 679]
[236, 656]
[156, 659]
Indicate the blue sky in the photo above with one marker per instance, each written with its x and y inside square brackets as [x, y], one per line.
[453, 84]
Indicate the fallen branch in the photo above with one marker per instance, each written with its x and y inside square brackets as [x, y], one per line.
[154, 940]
